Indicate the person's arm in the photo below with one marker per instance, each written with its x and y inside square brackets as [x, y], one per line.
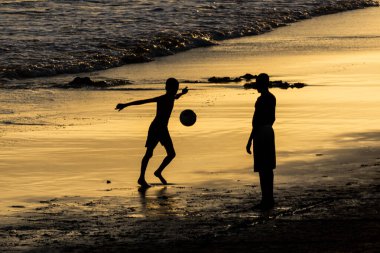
[249, 143]
[121, 106]
[184, 91]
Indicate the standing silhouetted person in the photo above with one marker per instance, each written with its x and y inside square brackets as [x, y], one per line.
[158, 130]
[262, 135]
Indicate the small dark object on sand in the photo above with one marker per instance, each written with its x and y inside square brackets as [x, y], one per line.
[109, 181]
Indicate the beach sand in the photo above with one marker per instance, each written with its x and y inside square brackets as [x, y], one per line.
[70, 163]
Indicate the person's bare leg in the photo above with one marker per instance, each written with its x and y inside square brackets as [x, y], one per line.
[266, 184]
[158, 172]
[144, 163]
[170, 156]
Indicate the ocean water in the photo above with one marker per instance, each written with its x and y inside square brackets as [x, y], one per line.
[50, 37]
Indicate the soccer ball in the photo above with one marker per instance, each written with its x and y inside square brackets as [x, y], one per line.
[188, 117]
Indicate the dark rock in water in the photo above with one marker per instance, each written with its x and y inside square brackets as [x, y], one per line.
[136, 57]
[118, 82]
[299, 85]
[86, 82]
[252, 85]
[191, 81]
[226, 79]
[17, 206]
[276, 84]
[79, 82]
[279, 84]
[249, 77]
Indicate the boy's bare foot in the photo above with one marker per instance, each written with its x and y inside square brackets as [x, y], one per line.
[158, 174]
[143, 183]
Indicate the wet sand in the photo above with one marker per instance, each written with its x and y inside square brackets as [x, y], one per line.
[55, 167]
[331, 215]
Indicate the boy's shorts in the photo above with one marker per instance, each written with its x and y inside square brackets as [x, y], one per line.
[158, 135]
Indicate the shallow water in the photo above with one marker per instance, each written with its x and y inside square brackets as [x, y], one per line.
[70, 142]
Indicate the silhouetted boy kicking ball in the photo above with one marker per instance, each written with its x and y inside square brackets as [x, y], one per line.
[158, 130]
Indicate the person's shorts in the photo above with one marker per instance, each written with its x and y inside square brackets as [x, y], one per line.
[158, 135]
[264, 150]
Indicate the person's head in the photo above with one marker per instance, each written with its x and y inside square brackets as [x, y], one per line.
[172, 86]
[262, 82]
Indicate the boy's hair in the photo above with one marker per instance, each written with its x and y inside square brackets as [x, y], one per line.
[172, 84]
[262, 80]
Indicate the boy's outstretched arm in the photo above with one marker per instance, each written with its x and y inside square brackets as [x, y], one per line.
[184, 91]
[121, 106]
